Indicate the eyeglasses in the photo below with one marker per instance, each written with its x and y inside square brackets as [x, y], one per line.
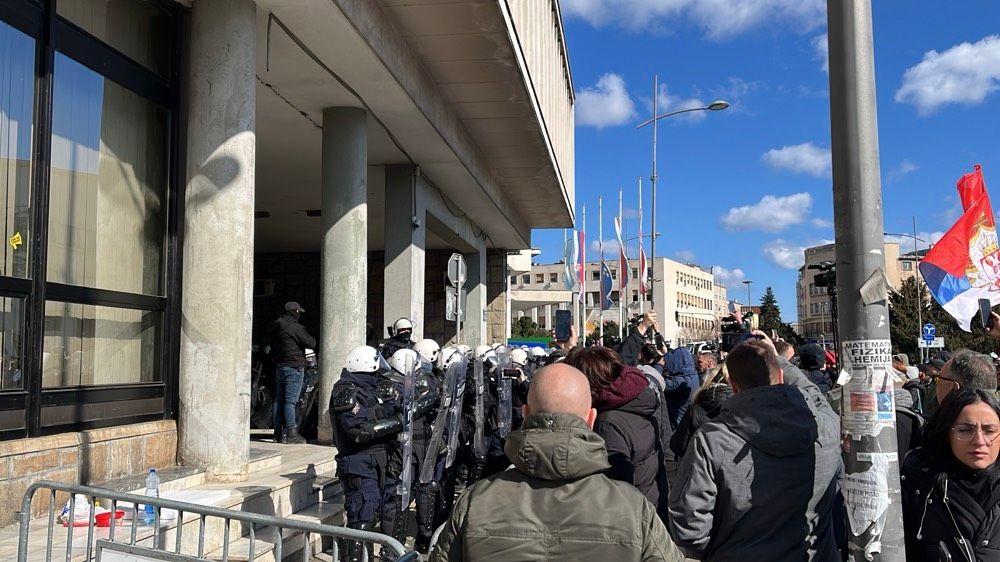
[943, 378]
[967, 431]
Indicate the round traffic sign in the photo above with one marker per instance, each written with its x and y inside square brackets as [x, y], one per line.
[929, 331]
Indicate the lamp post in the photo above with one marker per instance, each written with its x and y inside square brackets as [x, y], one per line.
[916, 277]
[749, 302]
[717, 105]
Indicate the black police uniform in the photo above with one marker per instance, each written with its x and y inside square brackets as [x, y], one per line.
[365, 426]
[400, 340]
[428, 387]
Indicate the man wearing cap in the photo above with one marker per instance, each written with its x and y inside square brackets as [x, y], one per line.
[289, 340]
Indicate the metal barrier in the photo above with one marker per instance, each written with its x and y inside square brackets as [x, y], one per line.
[157, 535]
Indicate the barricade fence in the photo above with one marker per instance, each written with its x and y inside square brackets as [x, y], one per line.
[173, 538]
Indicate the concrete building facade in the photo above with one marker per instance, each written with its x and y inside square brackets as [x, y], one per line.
[813, 303]
[176, 170]
[684, 297]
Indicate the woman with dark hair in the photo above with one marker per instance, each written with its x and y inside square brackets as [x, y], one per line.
[632, 420]
[951, 485]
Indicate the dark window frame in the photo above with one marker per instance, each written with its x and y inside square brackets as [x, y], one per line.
[52, 34]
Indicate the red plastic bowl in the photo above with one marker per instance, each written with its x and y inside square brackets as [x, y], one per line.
[104, 519]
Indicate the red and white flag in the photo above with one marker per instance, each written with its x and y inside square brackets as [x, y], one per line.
[643, 268]
[623, 269]
[581, 265]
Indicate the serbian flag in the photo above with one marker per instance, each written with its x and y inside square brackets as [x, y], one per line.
[581, 265]
[623, 271]
[964, 266]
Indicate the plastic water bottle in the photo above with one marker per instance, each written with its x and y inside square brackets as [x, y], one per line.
[153, 491]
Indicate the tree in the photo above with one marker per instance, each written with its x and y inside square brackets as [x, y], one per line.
[524, 327]
[905, 328]
[770, 319]
[610, 334]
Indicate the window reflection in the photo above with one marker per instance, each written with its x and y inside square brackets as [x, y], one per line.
[108, 184]
[139, 29]
[17, 57]
[90, 345]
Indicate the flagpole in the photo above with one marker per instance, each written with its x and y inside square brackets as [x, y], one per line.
[621, 274]
[583, 281]
[638, 255]
[652, 186]
[600, 269]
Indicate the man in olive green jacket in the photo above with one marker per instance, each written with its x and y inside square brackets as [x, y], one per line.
[556, 503]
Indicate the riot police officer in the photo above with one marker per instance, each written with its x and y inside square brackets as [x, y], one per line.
[403, 363]
[365, 426]
[399, 338]
[428, 383]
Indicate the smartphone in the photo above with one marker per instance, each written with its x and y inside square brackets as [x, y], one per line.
[985, 318]
[564, 319]
[511, 373]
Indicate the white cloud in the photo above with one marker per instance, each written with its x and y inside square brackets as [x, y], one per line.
[965, 73]
[905, 167]
[610, 249]
[770, 214]
[684, 256]
[784, 254]
[605, 104]
[728, 278]
[821, 223]
[665, 102]
[822, 48]
[718, 19]
[805, 158]
[630, 213]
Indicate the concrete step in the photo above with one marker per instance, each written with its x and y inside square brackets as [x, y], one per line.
[281, 490]
[262, 459]
[292, 542]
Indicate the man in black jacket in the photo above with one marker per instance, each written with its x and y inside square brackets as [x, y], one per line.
[289, 340]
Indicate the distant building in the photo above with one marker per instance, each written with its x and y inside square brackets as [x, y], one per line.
[686, 299]
[813, 303]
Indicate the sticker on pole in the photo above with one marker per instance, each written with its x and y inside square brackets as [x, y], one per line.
[868, 402]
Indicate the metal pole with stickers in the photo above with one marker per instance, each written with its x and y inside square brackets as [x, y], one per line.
[870, 483]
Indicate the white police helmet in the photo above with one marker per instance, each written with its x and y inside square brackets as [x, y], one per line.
[402, 324]
[448, 356]
[464, 349]
[519, 357]
[365, 359]
[482, 350]
[428, 349]
[402, 362]
[537, 353]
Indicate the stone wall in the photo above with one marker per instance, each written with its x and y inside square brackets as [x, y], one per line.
[496, 295]
[86, 457]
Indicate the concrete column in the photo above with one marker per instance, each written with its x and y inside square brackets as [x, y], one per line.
[344, 269]
[548, 317]
[474, 331]
[217, 300]
[404, 249]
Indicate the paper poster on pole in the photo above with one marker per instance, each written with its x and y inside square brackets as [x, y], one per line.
[866, 496]
[868, 401]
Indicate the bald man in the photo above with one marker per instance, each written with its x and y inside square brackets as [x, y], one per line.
[555, 502]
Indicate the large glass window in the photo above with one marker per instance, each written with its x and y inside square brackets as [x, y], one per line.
[138, 29]
[108, 184]
[11, 343]
[89, 345]
[17, 90]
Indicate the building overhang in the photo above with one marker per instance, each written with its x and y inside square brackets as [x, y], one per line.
[444, 92]
[525, 300]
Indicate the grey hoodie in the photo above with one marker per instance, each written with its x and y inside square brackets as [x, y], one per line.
[759, 482]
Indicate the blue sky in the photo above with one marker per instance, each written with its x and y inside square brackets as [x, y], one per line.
[746, 189]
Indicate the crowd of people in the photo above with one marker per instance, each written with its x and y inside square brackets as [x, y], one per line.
[651, 453]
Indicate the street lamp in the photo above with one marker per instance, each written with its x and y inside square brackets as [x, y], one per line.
[749, 303]
[717, 105]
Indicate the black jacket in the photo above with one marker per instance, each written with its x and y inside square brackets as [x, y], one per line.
[634, 436]
[707, 404]
[812, 359]
[629, 350]
[289, 339]
[972, 511]
[348, 425]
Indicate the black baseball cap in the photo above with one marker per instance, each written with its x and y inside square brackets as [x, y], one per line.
[293, 307]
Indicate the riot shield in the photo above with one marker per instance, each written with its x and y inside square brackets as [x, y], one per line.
[455, 410]
[406, 435]
[434, 448]
[478, 439]
[504, 402]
